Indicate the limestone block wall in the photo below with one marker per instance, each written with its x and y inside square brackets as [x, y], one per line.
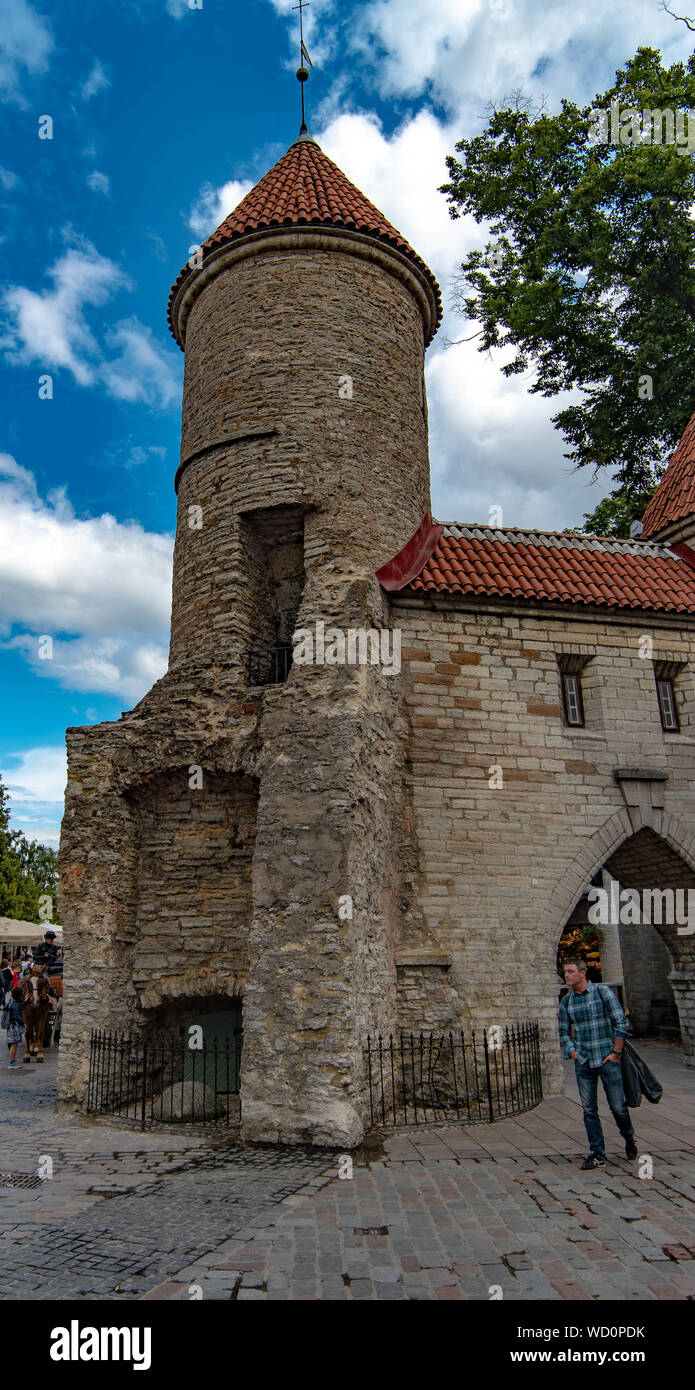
[513, 811]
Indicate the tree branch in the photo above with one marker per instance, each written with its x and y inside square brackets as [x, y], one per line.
[679, 17]
[454, 342]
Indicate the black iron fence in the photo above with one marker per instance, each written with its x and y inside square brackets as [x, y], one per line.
[164, 1079]
[271, 666]
[421, 1078]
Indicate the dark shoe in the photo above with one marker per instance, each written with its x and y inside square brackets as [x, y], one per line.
[630, 1148]
[593, 1161]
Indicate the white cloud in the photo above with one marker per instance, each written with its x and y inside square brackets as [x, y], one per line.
[98, 182]
[25, 47]
[158, 245]
[214, 204]
[39, 775]
[96, 82]
[401, 176]
[476, 51]
[101, 588]
[36, 779]
[51, 328]
[8, 179]
[178, 8]
[139, 454]
[492, 444]
[142, 371]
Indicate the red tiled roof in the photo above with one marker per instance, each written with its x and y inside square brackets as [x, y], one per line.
[548, 566]
[305, 188]
[674, 498]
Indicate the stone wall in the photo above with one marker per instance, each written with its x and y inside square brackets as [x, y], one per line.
[195, 836]
[514, 812]
[648, 993]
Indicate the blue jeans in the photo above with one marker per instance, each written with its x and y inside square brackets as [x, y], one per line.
[587, 1082]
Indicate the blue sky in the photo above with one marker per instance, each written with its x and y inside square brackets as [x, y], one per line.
[164, 113]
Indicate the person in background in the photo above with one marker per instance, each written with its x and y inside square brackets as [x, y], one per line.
[5, 976]
[46, 951]
[15, 1029]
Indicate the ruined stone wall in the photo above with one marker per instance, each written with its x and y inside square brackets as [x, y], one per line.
[154, 876]
[320, 980]
[514, 811]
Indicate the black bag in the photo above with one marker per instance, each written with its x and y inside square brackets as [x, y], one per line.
[638, 1080]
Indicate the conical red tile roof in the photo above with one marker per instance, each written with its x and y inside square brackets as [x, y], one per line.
[674, 498]
[305, 188]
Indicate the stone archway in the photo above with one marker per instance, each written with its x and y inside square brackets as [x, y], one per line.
[640, 859]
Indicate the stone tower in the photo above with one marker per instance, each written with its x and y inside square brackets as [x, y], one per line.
[236, 834]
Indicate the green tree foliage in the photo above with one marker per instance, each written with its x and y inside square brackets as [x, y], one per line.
[590, 279]
[28, 871]
[615, 514]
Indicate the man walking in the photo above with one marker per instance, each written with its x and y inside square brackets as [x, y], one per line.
[598, 1030]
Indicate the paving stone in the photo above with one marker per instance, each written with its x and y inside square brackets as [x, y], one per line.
[235, 1220]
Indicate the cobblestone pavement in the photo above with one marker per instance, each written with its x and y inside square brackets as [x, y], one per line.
[433, 1213]
[451, 1212]
[122, 1208]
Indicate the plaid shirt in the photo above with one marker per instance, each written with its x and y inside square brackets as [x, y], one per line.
[597, 1020]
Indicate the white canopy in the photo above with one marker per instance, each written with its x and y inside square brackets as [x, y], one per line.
[14, 933]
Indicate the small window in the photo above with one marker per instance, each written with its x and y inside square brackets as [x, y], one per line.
[667, 705]
[572, 692]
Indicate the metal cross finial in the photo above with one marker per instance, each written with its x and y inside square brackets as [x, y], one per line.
[303, 70]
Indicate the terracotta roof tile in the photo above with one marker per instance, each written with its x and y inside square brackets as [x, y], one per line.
[548, 566]
[674, 498]
[306, 188]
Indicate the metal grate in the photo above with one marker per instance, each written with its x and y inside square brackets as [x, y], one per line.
[20, 1180]
[424, 1078]
[271, 666]
[165, 1079]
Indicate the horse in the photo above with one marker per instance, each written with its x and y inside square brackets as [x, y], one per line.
[53, 1036]
[35, 1012]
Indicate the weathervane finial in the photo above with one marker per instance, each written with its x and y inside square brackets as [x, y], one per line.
[304, 59]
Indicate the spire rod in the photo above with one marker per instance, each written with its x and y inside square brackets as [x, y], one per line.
[303, 70]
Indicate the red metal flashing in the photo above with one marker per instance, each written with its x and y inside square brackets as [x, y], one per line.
[407, 564]
[684, 552]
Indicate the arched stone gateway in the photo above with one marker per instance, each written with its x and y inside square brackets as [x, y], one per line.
[640, 904]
